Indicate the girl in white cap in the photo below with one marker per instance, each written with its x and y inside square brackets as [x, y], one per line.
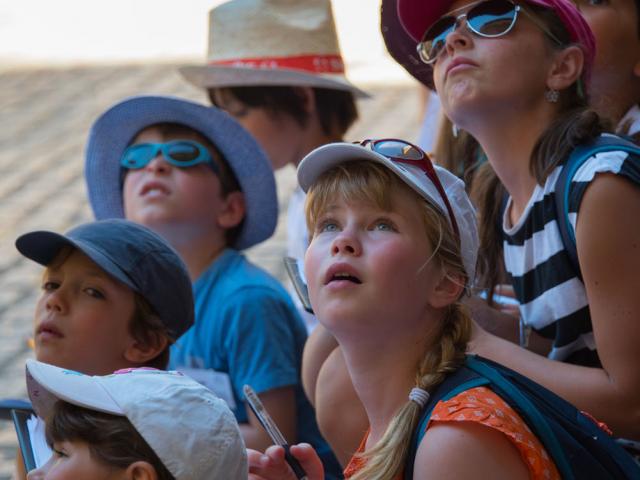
[393, 246]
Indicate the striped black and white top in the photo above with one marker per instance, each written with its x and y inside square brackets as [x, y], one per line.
[552, 298]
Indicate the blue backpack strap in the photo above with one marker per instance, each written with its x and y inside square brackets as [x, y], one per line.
[461, 380]
[604, 143]
[543, 431]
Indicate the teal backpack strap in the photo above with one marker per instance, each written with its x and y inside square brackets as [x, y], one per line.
[461, 380]
[543, 431]
[605, 143]
[426, 416]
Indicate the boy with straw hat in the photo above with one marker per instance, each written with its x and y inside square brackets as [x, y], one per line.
[276, 67]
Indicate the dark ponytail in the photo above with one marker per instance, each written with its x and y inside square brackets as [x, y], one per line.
[576, 124]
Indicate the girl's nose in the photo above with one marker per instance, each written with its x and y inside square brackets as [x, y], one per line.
[346, 243]
[459, 37]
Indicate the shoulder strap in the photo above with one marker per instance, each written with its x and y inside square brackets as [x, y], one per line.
[543, 431]
[455, 383]
[581, 154]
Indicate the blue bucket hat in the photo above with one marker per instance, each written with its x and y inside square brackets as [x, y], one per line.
[130, 253]
[114, 130]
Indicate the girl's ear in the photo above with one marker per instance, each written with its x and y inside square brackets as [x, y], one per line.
[140, 352]
[447, 291]
[566, 68]
[233, 211]
[140, 470]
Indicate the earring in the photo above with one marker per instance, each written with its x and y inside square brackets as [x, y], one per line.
[454, 130]
[552, 95]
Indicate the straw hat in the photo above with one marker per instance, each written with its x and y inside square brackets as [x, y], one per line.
[272, 42]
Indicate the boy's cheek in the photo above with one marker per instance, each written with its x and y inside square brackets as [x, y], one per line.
[131, 181]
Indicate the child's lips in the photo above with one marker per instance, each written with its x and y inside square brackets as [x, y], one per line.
[342, 274]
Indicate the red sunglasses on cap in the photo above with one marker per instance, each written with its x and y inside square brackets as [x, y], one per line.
[401, 151]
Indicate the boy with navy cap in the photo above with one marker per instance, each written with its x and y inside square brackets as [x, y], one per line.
[114, 295]
[194, 175]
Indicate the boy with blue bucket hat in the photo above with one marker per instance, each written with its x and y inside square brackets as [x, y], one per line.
[194, 175]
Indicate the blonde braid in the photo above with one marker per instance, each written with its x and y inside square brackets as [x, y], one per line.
[386, 460]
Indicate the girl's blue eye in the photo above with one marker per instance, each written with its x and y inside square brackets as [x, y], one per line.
[384, 226]
[328, 226]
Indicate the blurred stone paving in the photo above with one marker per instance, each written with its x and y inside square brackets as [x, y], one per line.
[45, 115]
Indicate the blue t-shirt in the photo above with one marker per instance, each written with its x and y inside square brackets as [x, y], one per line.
[247, 331]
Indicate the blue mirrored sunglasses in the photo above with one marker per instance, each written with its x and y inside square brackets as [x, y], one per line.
[488, 19]
[179, 153]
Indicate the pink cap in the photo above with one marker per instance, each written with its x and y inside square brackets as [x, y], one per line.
[418, 15]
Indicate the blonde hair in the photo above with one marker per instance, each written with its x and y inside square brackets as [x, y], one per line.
[371, 182]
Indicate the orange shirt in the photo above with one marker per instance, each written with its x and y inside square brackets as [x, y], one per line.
[483, 406]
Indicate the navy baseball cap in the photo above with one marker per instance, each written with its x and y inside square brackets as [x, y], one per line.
[133, 255]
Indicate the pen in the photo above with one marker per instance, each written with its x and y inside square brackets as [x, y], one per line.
[273, 431]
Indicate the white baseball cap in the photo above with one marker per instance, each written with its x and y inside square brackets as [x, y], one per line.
[323, 158]
[192, 431]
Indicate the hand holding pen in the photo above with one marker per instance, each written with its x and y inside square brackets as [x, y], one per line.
[280, 460]
[271, 465]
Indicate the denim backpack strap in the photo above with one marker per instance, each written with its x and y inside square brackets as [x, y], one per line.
[461, 380]
[578, 157]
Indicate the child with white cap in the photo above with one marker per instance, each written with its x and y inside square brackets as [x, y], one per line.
[394, 246]
[139, 423]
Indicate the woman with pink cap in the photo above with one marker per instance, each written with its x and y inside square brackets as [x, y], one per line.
[516, 76]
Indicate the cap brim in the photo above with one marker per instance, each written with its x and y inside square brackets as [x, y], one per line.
[46, 384]
[401, 46]
[43, 246]
[115, 129]
[328, 156]
[217, 76]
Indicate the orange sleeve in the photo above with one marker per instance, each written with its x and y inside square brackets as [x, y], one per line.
[483, 406]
